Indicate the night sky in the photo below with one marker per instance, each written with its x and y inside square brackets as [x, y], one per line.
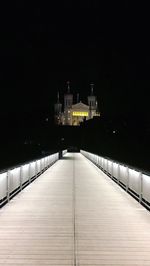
[45, 43]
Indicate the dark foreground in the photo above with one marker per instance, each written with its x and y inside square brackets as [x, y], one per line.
[121, 140]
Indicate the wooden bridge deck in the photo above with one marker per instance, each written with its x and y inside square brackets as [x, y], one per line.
[74, 214]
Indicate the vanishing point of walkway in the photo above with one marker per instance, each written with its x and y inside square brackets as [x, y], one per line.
[74, 214]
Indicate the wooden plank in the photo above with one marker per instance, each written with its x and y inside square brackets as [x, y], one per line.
[74, 213]
[111, 227]
[36, 227]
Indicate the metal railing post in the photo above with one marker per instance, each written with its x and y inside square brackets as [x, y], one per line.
[112, 169]
[127, 183]
[29, 173]
[44, 163]
[40, 165]
[21, 178]
[8, 186]
[102, 163]
[107, 166]
[36, 171]
[118, 174]
[140, 187]
[97, 160]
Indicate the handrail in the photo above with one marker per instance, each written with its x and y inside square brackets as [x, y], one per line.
[134, 181]
[15, 179]
[23, 163]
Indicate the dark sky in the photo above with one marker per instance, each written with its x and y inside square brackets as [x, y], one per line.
[45, 43]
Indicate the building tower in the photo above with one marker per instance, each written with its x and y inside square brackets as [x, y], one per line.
[58, 111]
[92, 102]
[68, 102]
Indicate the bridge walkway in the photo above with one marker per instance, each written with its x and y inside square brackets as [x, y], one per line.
[73, 214]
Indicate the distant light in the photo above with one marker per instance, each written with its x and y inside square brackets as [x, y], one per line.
[114, 131]
[46, 119]
[80, 114]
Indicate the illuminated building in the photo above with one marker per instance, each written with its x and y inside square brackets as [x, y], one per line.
[73, 114]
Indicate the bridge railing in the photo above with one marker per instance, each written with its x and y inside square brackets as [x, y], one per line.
[14, 180]
[134, 181]
[64, 152]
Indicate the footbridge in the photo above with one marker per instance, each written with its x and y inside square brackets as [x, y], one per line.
[80, 210]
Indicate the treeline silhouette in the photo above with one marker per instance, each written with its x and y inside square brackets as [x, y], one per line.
[125, 139]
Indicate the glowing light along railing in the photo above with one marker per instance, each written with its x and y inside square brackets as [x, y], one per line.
[14, 180]
[133, 181]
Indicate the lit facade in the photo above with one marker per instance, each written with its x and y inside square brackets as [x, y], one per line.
[73, 114]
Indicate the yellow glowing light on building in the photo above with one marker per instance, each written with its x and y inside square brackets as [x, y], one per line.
[80, 113]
